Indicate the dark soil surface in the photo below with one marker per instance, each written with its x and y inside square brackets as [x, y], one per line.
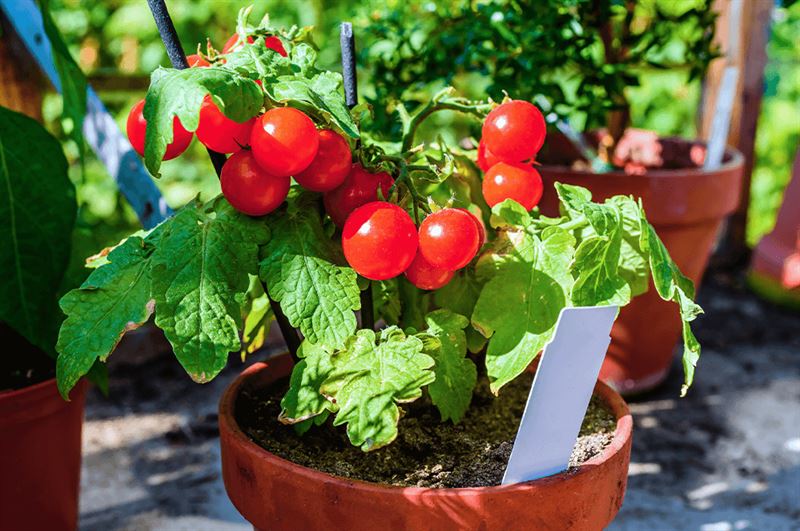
[427, 452]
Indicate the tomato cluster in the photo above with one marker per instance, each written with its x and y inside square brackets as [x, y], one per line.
[512, 135]
[267, 150]
[379, 239]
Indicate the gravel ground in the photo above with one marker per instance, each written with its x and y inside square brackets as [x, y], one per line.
[727, 457]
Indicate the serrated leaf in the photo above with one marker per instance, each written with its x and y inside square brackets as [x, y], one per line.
[456, 374]
[518, 308]
[302, 271]
[323, 92]
[114, 299]
[257, 318]
[672, 285]
[303, 400]
[509, 213]
[37, 215]
[368, 380]
[200, 277]
[181, 92]
[459, 296]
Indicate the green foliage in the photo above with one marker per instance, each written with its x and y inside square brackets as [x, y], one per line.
[456, 374]
[303, 400]
[180, 93]
[302, 269]
[580, 55]
[199, 279]
[369, 379]
[114, 299]
[37, 215]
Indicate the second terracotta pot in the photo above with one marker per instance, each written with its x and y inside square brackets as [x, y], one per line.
[275, 494]
[687, 208]
[40, 457]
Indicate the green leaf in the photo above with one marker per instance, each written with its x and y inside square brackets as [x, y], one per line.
[114, 299]
[257, 318]
[303, 400]
[456, 375]
[368, 380]
[73, 82]
[300, 266]
[509, 213]
[518, 308]
[181, 92]
[459, 296]
[672, 285]
[633, 264]
[322, 92]
[37, 215]
[200, 277]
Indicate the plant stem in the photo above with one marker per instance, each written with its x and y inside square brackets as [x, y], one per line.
[289, 334]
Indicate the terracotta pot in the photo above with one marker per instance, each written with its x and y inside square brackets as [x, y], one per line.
[40, 457]
[687, 208]
[275, 494]
[775, 269]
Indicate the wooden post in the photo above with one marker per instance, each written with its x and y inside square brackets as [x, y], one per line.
[751, 58]
[20, 81]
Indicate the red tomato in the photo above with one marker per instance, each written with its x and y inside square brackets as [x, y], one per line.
[520, 182]
[425, 275]
[218, 132]
[449, 238]
[250, 189]
[359, 188]
[273, 43]
[479, 224]
[486, 159]
[136, 126]
[196, 60]
[514, 131]
[331, 165]
[284, 141]
[379, 240]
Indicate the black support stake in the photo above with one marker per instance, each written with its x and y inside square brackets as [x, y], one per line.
[347, 42]
[178, 59]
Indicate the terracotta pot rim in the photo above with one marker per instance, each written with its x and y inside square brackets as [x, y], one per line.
[227, 422]
[33, 388]
[736, 160]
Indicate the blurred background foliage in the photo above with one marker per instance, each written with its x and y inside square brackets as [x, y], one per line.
[117, 45]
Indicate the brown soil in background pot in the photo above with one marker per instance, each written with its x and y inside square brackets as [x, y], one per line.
[427, 451]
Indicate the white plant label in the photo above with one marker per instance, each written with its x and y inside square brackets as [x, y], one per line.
[560, 393]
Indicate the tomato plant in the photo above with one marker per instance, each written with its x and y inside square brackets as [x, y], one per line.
[219, 133]
[330, 166]
[136, 128]
[249, 188]
[379, 240]
[449, 239]
[372, 206]
[520, 182]
[359, 188]
[284, 141]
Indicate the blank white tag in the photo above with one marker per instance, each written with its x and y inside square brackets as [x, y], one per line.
[560, 393]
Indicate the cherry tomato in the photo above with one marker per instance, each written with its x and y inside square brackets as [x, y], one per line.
[273, 43]
[449, 238]
[284, 141]
[514, 131]
[359, 188]
[425, 275]
[196, 60]
[479, 224]
[250, 189]
[486, 159]
[330, 167]
[218, 132]
[136, 126]
[379, 240]
[520, 182]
